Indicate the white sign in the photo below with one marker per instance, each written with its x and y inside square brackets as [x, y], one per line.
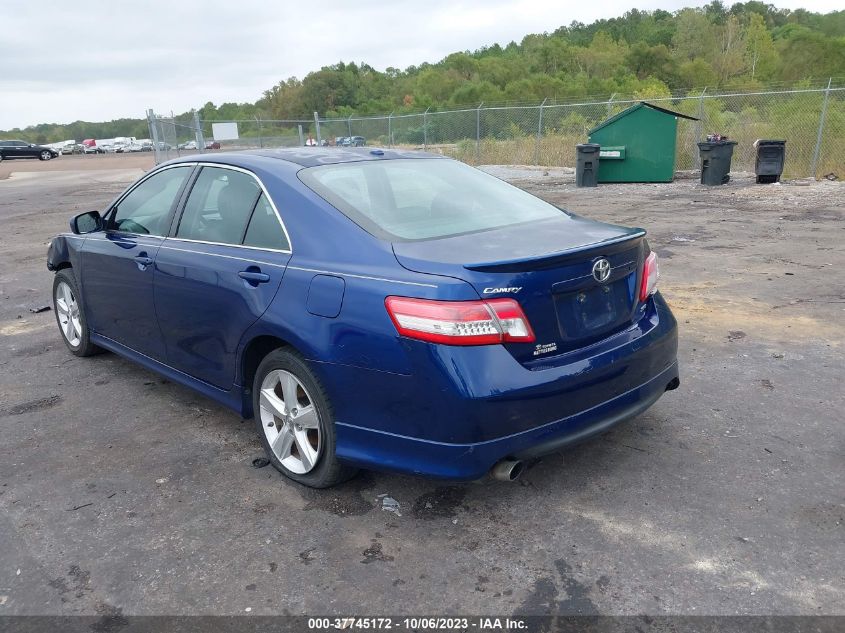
[225, 131]
[610, 153]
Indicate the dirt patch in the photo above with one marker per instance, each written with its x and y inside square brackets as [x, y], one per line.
[77, 162]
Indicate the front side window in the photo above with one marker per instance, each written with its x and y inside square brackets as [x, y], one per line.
[219, 206]
[146, 209]
[424, 198]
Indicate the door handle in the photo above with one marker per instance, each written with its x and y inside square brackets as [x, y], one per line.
[143, 261]
[254, 276]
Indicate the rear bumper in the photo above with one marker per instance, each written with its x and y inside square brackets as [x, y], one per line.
[387, 451]
[463, 409]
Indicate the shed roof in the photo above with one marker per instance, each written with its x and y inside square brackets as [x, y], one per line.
[634, 108]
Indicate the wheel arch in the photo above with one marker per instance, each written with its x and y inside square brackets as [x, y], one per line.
[58, 255]
[253, 353]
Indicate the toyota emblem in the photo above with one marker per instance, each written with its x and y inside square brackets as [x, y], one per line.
[601, 270]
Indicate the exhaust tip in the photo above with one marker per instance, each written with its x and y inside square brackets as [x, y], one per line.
[507, 470]
[673, 384]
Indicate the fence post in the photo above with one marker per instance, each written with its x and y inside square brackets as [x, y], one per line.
[317, 124]
[198, 133]
[478, 133]
[151, 119]
[539, 133]
[301, 137]
[425, 128]
[698, 125]
[260, 132]
[820, 135]
[349, 127]
[610, 104]
[390, 129]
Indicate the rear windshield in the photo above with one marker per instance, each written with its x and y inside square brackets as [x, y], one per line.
[420, 199]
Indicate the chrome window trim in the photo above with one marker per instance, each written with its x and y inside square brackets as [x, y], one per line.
[253, 248]
[244, 259]
[266, 195]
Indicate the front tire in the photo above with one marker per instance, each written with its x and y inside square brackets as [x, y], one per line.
[70, 316]
[45, 155]
[295, 421]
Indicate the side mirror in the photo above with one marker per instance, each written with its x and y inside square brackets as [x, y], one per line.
[86, 222]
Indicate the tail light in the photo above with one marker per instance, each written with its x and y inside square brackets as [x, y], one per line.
[460, 322]
[651, 274]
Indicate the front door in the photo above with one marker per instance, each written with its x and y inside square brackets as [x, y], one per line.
[117, 264]
[218, 272]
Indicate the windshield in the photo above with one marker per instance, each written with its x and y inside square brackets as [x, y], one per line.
[418, 199]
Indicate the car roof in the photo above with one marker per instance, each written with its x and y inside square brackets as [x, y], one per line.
[312, 156]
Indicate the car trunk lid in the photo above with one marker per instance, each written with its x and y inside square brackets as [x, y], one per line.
[547, 267]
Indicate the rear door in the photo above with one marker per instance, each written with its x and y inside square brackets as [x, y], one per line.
[18, 149]
[117, 264]
[218, 272]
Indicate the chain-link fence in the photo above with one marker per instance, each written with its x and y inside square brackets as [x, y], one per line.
[812, 120]
[175, 136]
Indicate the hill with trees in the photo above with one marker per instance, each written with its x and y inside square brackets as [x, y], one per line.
[642, 54]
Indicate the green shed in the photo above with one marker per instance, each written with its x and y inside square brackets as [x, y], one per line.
[638, 144]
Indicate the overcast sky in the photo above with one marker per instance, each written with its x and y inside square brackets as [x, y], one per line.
[65, 60]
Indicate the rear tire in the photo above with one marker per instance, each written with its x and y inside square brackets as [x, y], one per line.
[70, 315]
[295, 421]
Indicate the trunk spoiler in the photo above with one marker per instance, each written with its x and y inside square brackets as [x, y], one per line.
[549, 260]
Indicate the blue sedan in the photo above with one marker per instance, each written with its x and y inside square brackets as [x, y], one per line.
[372, 308]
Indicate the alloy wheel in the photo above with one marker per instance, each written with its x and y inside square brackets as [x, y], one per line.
[68, 312]
[290, 421]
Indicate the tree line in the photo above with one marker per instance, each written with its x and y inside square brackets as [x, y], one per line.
[642, 54]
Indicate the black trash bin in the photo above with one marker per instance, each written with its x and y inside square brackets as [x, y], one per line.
[769, 163]
[587, 164]
[716, 161]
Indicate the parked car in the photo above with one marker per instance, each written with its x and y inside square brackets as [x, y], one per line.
[93, 149]
[441, 323]
[212, 144]
[22, 149]
[352, 141]
[73, 148]
[187, 145]
[162, 146]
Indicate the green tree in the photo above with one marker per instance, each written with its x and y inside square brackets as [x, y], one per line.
[760, 54]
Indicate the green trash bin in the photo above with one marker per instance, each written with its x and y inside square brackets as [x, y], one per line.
[587, 164]
[716, 161]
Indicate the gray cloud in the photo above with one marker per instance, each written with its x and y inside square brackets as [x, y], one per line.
[61, 61]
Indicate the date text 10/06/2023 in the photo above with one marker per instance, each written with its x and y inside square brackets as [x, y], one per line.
[358, 623]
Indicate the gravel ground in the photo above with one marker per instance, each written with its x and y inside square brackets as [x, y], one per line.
[122, 493]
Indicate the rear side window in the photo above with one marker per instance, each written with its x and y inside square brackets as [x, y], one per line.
[264, 230]
[219, 206]
[419, 199]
